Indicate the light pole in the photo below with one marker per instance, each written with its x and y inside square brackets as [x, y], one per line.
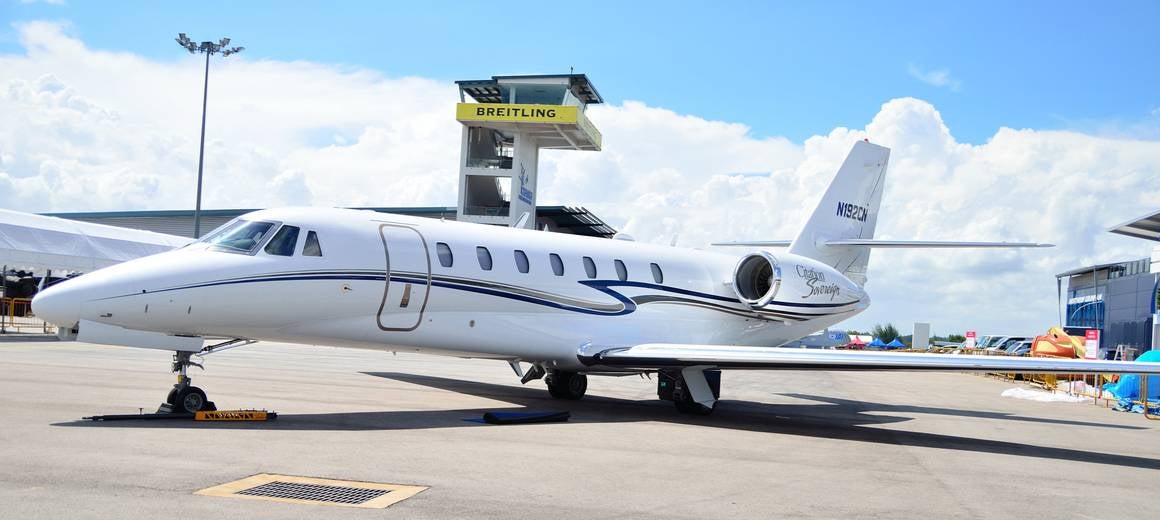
[207, 48]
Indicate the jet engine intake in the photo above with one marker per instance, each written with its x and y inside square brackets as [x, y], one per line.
[756, 279]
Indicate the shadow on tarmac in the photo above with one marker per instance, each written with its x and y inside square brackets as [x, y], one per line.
[839, 419]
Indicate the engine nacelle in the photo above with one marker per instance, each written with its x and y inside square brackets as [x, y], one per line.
[756, 279]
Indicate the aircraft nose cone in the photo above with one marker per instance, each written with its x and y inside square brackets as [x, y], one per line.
[57, 305]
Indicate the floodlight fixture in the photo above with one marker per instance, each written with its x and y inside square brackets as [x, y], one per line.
[185, 42]
[209, 49]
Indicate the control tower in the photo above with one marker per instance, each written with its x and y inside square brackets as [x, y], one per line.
[506, 122]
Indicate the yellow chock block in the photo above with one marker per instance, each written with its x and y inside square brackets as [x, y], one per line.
[234, 415]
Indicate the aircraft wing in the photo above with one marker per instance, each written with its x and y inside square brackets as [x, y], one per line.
[671, 355]
[872, 242]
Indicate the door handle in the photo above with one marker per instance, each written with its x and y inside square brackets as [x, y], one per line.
[406, 296]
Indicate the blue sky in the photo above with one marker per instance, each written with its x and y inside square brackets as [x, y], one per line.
[791, 69]
[99, 110]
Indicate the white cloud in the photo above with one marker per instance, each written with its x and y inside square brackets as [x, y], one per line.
[935, 78]
[94, 130]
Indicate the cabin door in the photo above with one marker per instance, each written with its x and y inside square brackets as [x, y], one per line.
[408, 266]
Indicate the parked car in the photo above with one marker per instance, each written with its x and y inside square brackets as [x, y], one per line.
[984, 341]
[996, 342]
[1011, 342]
[1005, 342]
[1021, 348]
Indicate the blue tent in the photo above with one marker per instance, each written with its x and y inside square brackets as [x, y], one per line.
[894, 343]
[876, 343]
[1128, 387]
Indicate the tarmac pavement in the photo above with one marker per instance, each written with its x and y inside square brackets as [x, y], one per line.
[780, 445]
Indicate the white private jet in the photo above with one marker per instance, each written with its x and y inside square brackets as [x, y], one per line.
[568, 305]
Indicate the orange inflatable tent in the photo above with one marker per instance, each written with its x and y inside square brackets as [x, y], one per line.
[1057, 343]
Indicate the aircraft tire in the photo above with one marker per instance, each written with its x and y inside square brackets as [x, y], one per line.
[189, 400]
[685, 403]
[566, 385]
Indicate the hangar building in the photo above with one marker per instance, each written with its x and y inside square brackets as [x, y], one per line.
[1119, 299]
[561, 219]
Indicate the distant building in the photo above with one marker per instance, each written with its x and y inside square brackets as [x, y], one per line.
[1119, 299]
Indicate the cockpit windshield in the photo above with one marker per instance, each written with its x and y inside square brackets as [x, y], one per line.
[239, 236]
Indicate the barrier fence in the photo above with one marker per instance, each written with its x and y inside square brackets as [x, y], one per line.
[1093, 384]
[16, 317]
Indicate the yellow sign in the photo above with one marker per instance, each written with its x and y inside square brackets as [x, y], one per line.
[232, 415]
[559, 114]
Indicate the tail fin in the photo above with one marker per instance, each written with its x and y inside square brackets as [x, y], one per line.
[848, 210]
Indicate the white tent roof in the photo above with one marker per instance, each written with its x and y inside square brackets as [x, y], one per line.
[37, 242]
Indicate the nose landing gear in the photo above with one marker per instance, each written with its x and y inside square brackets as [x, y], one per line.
[184, 397]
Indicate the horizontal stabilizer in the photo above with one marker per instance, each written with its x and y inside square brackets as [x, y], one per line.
[871, 242]
[665, 355]
[756, 243]
[928, 243]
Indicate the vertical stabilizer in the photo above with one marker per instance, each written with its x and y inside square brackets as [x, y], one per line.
[848, 210]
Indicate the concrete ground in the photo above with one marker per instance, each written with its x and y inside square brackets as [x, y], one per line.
[792, 444]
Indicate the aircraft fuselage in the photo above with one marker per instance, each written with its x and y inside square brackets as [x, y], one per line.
[386, 282]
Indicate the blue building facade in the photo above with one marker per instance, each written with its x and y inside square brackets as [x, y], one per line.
[1120, 299]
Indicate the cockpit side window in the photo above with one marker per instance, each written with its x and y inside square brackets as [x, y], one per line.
[224, 228]
[283, 242]
[242, 237]
[311, 247]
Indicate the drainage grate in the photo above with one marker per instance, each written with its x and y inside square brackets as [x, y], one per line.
[308, 490]
[317, 492]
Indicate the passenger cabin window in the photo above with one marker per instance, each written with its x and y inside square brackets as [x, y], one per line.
[243, 237]
[589, 267]
[311, 247]
[484, 257]
[557, 264]
[658, 276]
[621, 271]
[444, 252]
[283, 242]
[522, 261]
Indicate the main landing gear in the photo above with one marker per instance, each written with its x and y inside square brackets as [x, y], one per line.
[694, 390]
[563, 384]
[184, 397]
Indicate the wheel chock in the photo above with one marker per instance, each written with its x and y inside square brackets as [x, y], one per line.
[204, 415]
[234, 415]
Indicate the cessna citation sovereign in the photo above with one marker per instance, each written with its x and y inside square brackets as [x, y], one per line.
[567, 305]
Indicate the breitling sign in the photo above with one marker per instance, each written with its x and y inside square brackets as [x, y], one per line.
[559, 114]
